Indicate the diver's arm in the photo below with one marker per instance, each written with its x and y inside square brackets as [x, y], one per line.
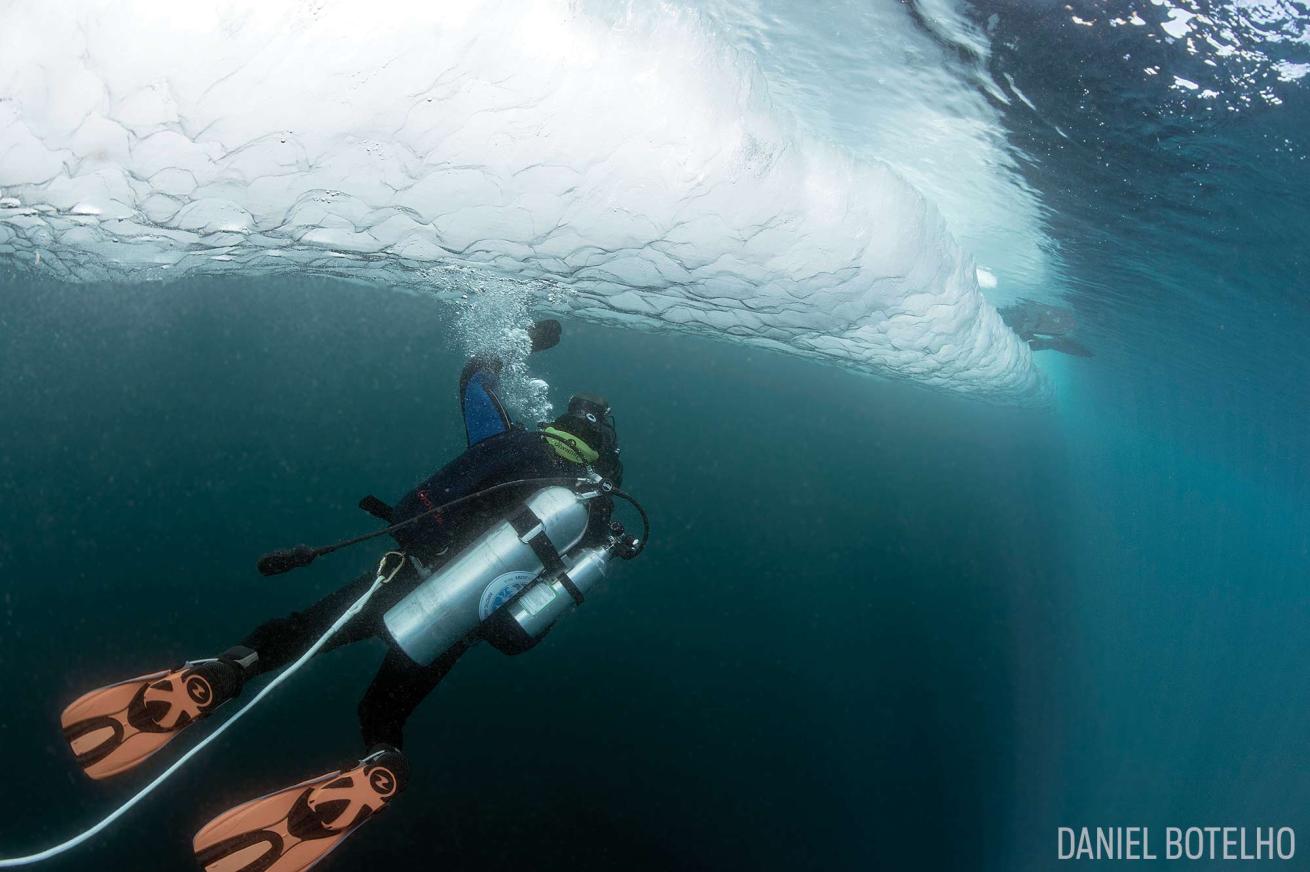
[484, 414]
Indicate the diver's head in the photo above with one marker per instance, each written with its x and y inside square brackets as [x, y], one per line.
[586, 433]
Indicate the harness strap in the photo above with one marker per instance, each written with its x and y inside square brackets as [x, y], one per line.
[572, 588]
[532, 532]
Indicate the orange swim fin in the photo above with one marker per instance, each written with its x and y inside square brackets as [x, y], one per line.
[116, 728]
[293, 829]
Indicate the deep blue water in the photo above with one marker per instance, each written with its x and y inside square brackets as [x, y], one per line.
[877, 626]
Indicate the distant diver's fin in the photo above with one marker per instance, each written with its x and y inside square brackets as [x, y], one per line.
[1060, 343]
[293, 829]
[116, 728]
[378, 509]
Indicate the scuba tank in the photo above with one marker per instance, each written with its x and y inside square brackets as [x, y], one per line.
[526, 618]
[511, 583]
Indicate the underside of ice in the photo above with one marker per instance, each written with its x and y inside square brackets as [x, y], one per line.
[634, 172]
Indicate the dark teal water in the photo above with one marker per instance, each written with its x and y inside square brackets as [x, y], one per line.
[819, 663]
[875, 626]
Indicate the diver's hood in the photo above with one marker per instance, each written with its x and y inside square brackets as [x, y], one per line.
[590, 419]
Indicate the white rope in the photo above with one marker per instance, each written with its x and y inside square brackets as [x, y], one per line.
[355, 609]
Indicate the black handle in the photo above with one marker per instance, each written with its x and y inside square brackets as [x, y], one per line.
[278, 562]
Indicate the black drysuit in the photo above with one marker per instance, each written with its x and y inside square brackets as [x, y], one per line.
[498, 451]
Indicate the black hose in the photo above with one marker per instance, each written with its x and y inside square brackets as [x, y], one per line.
[287, 559]
[645, 522]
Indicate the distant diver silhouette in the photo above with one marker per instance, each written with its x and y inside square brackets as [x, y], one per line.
[1044, 327]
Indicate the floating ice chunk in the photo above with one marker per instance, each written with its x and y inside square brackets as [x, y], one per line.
[1020, 94]
[1292, 72]
[630, 174]
[1178, 24]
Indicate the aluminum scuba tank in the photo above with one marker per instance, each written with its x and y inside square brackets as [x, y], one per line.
[453, 601]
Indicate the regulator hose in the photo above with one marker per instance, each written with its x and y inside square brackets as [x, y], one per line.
[640, 544]
[287, 559]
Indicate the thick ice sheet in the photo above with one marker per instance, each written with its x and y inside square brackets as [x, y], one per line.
[630, 169]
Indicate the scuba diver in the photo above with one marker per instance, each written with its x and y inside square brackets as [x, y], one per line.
[1044, 327]
[494, 546]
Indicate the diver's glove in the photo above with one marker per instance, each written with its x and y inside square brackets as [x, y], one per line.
[544, 334]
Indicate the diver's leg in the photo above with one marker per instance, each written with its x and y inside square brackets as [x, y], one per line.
[397, 689]
[281, 640]
[116, 728]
